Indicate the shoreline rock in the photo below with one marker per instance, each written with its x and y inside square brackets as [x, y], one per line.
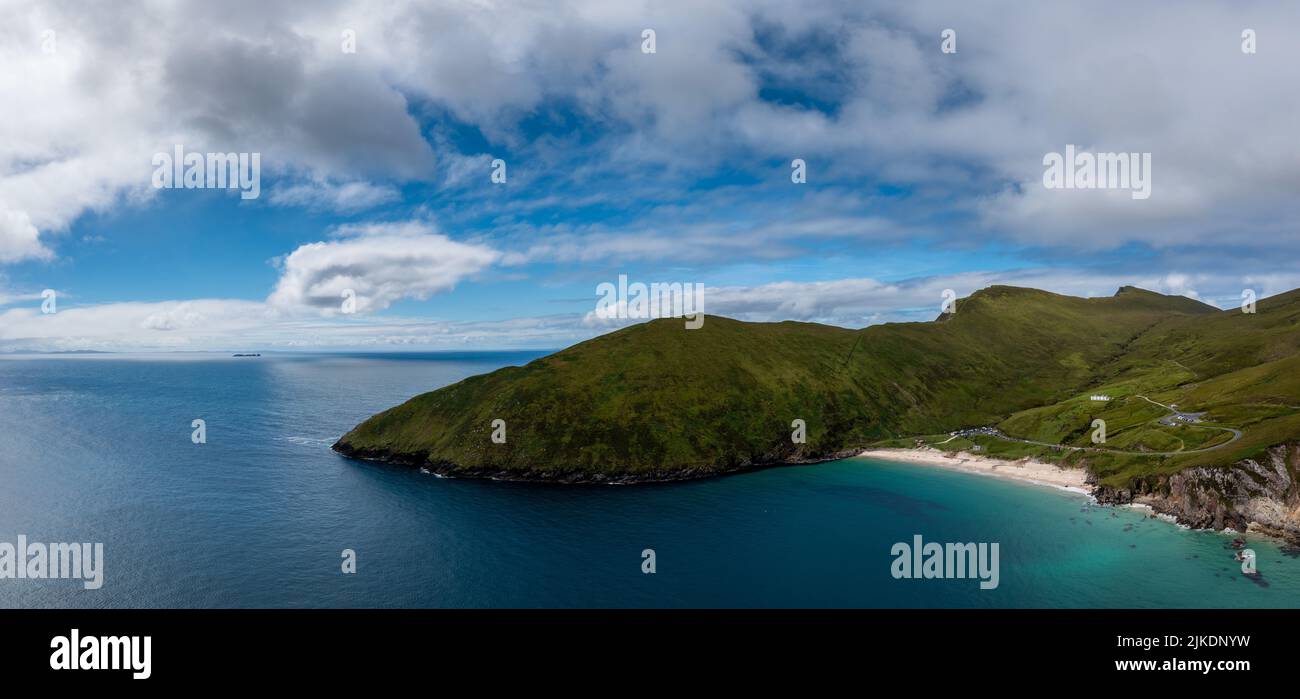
[1250, 495]
[577, 477]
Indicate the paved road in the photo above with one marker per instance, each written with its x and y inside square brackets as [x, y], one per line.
[1236, 434]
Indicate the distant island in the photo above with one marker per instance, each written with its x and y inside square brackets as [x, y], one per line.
[1201, 406]
[246, 355]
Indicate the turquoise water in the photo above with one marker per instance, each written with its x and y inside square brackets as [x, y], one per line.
[98, 449]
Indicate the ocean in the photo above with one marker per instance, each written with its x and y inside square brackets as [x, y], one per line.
[98, 448]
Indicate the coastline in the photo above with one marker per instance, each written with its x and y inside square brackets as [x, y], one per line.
[1075, 481]
[447, 469]
[1024, 470]
[1029, 471]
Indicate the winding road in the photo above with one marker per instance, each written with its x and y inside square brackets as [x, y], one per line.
[1236, 434]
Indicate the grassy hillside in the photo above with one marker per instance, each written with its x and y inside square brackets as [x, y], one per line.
[656, 400]
[650, 399]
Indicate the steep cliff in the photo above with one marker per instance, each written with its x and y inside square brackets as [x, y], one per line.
[1261, 494]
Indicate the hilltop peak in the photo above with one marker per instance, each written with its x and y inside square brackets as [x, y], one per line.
[1176, 302]
[1130, 289]
[1004, 291]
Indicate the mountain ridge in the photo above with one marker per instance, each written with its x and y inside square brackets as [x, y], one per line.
[656, 401]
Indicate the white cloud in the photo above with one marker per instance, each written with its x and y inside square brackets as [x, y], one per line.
[339, 130]
[125, 82]
[229, 325]
[216, 324]
[380, 264]
[348, 197]
[19, 239]
[193, 324]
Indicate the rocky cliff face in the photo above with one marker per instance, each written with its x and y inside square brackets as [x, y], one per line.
[1261, 495]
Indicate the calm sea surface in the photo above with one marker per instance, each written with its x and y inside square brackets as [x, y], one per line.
[98, 449]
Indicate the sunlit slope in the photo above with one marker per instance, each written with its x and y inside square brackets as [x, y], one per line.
[656, 400]
[1008, 349]
[1222, 341]
[1240, 370]
[654, 397]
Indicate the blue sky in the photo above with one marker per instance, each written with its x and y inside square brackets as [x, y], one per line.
[924, 167]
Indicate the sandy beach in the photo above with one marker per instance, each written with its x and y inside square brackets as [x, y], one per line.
[1026, 470]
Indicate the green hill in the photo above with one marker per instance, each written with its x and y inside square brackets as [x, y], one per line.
[657, 401]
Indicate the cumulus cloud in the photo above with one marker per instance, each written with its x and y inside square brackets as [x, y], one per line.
[97, 91]
[19, 239]
[1049, 74]
[861, 91]
[688, 148]
[377, 265]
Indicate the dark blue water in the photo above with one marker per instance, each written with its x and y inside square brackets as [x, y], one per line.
[98, 449]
